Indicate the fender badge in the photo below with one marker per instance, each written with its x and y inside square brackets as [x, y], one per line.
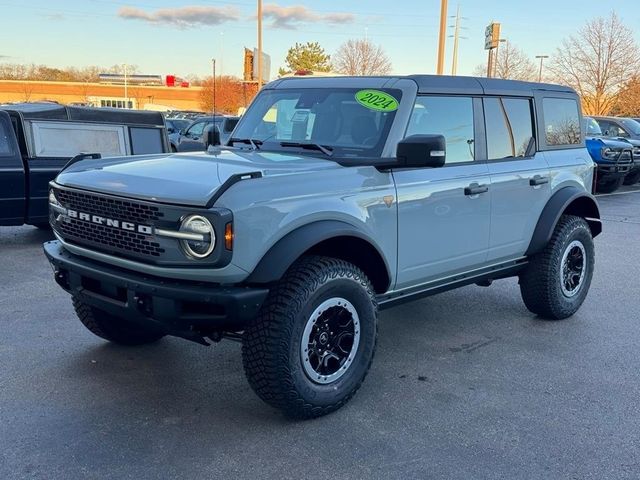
[388, 200]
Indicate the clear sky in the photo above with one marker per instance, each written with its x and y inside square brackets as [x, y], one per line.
[181, 36]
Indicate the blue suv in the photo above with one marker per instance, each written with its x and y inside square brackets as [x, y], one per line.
[625, 130]
[613, 157]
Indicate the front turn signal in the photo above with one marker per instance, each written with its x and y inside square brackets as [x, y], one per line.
[228, 236]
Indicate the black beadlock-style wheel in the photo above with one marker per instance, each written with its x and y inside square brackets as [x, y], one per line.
[311, 346]
[557, 280]
[113, 329]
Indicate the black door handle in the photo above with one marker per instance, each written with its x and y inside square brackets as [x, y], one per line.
[538, 180]
[475, 189]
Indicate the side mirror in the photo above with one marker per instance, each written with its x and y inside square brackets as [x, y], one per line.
[171, 130]
[182, 131]
[212, 137]
[418, 151]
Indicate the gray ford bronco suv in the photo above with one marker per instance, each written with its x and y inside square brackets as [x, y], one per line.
[333, 198]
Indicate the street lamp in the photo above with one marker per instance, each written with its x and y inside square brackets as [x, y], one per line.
[126, 93]
[541, 57]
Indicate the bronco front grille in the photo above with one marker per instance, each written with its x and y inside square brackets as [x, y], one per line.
[107, 238]
[109, 207]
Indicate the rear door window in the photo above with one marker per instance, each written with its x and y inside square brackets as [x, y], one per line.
[561, 121]
[509, 125]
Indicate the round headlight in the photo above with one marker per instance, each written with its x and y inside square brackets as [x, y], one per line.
[53, 200]
[203, 238]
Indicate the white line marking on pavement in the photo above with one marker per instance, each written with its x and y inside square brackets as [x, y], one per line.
[616, 193]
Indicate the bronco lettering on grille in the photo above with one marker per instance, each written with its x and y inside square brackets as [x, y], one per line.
[110, 222]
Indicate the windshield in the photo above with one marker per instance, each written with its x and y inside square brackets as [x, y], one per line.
[631, 125]
[592, 127]
[347, 122]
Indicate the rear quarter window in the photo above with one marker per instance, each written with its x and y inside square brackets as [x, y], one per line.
[561, 121]
[146, 140]
[6, 142]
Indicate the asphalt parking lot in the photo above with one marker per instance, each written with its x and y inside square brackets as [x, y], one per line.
[467, 384]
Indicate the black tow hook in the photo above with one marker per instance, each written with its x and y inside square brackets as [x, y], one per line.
[62, 279]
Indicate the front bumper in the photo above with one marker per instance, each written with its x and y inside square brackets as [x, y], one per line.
[182, 308]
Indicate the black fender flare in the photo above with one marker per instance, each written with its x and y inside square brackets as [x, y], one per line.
[568, 199]
[289, 248]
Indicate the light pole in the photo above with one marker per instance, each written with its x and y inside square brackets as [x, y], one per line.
[259, 44]
[442, 36]
[221, 53]
[541, 57]
[213, 66]
[126, 93]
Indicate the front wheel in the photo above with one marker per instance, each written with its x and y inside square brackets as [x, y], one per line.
[557, 280]
[311, 346]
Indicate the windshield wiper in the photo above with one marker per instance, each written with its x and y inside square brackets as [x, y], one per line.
[328, 151]
[255, 143]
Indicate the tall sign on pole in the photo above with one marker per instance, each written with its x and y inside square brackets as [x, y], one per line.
[491, 42]
[442, 36]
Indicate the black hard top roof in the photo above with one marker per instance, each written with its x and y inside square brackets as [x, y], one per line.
[54, 111]
[432, 84]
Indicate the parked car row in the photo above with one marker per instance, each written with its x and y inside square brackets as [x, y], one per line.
[614, 145]
[192, 136]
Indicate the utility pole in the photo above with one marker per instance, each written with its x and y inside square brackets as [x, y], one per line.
[442, 36]
[259, 44]
[456, 39]
[541, 57]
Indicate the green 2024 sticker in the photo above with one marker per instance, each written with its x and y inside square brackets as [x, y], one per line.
[377, 100]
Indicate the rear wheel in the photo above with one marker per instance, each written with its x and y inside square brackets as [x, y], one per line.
[557, 280]
[312, 344]
[114, 329]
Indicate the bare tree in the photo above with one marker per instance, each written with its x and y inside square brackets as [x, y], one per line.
[510, 63]
[27, 91]
[361, 57]
[597, 62]
[628, 99]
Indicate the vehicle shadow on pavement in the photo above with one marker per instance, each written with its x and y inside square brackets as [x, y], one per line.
[24, 236]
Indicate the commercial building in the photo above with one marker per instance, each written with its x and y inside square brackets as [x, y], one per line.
[145, 97]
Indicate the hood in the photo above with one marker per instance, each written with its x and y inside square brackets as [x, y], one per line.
[181, 178]
[596, 142]
[633, 141]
